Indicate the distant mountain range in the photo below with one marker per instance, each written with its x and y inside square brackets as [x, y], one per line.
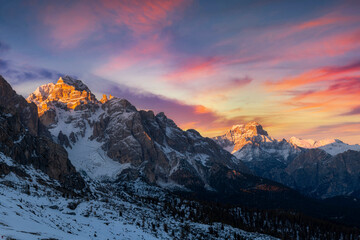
[324, 168]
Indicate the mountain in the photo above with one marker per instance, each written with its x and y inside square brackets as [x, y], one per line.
[264, 155]
[42, 196]
[320, 174]
[331, 146]
[321, 169]
[73, 167]
[111, 139]
[24, 140]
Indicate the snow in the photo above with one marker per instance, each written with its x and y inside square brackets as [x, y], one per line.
[43, 213]
[5, 159]
[30, 217]
[88, 156]
[339, 147]
[331, 146]
[85, 154]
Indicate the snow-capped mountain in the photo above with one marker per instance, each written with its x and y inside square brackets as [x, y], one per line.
[111, 139]
[264, 155]
[331, 146]
[250, 142]
[317, 168]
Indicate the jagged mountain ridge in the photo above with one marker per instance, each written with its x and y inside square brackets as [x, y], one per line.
[316, 168]
[331, 146]
[264, 155]
[112, 139]
[321, 174]
[250, 141]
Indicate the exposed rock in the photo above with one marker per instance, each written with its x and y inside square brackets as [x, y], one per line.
[314, 172]
[264, 155]
[16, 104]
[23, 146]
[67, 93]
[321, 175]
[104, 99]
[63, 140]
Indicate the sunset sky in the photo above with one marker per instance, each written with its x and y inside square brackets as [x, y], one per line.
[293, 66]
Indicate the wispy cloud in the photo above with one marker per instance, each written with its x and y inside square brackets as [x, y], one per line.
[72, 23]
[354, 111]
[316, 75]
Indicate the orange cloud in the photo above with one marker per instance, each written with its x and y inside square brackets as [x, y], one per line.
[314, 76]
[202, 109]
[340, 98]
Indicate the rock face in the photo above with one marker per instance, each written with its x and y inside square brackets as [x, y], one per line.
[323, 175]
[264, 155]
[21, 140]
[240, 135]
[320, 172]
[110, 139]
[16, 104]
[67, 93]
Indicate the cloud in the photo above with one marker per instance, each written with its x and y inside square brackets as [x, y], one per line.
[314, 76]
[193, 69]
[347, 129]
[147, 52]
[354, 111]
[74, 22]
[331, 35]
[220, 89]
[21, 74]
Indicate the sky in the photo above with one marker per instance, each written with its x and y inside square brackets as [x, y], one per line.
[292, 66]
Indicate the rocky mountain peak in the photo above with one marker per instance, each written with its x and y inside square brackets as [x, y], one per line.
[67, 92]
[249, 129]
[105, 98]
[77, 84]
[240, 135]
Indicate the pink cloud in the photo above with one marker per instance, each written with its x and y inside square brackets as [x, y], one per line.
[69, 26]
[315, 76]
[71, 23]
[151, 49]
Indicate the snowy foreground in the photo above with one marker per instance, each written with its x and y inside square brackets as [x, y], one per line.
[30, 210]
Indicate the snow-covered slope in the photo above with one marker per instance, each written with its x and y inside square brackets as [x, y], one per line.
[30, 209]
[331, 146]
